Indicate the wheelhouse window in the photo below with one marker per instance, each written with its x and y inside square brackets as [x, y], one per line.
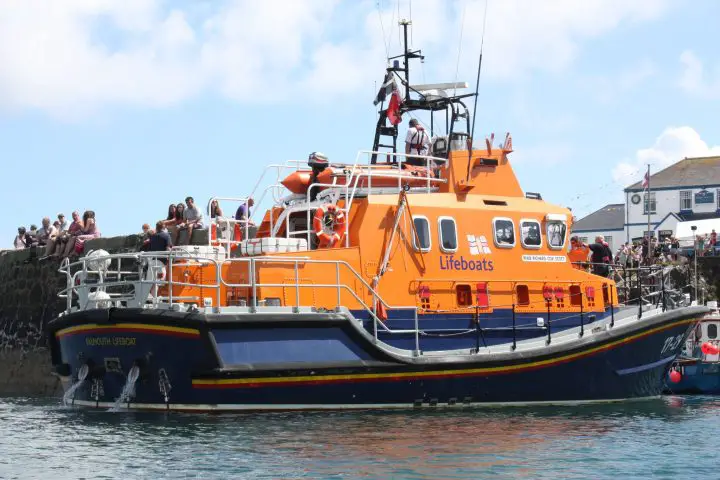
[685, 200]
[504, 232]
[421, 238]
[530, 235]
[712, 330]
[556, 231]
[448, 234]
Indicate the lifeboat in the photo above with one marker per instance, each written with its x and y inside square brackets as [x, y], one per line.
[401, 299]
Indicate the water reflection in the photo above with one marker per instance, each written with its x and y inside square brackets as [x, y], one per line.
[569, 442]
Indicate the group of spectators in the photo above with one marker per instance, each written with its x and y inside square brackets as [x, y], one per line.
[649, 251]
[60, 238]
[63, 239]
[707, 245]
[646, 252]
[186, 217]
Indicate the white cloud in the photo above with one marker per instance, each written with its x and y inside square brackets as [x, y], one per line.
[674, 144]
[525, 35]
[694, 79]
[74, 56]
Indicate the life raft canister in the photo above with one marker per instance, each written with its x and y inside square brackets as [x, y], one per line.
[329, 225]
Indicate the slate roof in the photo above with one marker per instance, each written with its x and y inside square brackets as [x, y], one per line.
[687, 172]
[609, 217]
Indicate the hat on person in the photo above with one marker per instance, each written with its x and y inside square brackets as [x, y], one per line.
[61, 215]
[413, 122]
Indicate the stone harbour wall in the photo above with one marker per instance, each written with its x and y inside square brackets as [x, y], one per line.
[28, 301]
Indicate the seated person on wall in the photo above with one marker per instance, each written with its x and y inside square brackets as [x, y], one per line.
[63, 223]
[46, 233]
[192, 220]
[88, 232]
[57, 247]
[20, 239]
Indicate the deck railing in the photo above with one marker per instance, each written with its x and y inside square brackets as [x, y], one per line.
[135, 280]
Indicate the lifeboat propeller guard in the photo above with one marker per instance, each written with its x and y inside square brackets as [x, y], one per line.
[330, 225]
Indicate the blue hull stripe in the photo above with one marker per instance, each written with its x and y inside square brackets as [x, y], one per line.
[647, 366]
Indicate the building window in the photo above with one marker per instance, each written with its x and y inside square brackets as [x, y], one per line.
[649, 204]
[556, 234]
[448, 234]
[717, 196]
[609, 241]
[685, 200]
[530, 235]
[504, 232]
[422, 228]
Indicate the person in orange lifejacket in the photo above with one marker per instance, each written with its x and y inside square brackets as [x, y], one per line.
[578, 253]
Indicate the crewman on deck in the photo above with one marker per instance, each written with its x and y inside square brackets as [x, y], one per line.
[578, 254]
[417, 142]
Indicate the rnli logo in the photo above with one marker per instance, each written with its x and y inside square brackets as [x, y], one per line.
[478, 245]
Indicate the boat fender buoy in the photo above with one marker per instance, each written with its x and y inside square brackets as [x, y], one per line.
[675, 376]
[709, 349]
[332, 238]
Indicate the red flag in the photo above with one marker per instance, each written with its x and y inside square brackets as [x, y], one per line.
[646, 180]
[393, 111]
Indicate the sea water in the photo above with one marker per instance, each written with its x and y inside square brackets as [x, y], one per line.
[673, 437]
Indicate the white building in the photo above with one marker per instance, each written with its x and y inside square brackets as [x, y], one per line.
[685, 191]
[683, 194]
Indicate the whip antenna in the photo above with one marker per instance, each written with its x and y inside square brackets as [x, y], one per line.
[477, 81]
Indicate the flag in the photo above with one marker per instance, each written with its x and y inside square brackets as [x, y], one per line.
[393, 111]
[386, 88]
[646, 180]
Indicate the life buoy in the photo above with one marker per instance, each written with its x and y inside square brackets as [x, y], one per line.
[329, 236]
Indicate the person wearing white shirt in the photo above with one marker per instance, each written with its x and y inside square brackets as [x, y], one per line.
[417, 142]
[47, 232]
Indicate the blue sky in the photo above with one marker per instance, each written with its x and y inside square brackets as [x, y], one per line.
[125, 106]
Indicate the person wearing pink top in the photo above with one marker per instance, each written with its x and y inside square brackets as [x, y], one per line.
[59, 245]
